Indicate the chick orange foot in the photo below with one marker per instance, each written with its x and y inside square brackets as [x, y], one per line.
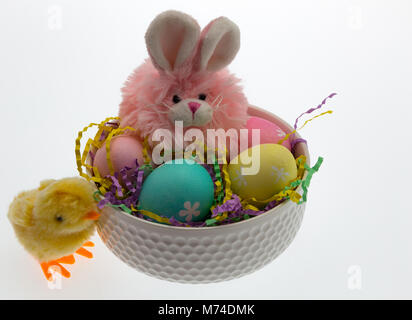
[65, 260]
[57, 263]
[86, 253]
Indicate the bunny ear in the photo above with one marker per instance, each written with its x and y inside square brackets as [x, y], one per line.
[219, 44]
[171, 39]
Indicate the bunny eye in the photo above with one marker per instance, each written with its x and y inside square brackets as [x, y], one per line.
[202, 96]
[176, 99]
[59, 218]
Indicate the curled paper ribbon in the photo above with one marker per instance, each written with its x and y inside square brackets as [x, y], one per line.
[227, 192]
[306, 182]
[126, 180]
[223, 184]
[231, 210]
[294, 142]
[313, 109]
[219, 181]
[145, 151]
[81, 158]
[307, 121]
[107, 130]
[117, 186]
[235, 209]
[288, 191]
[128, 196]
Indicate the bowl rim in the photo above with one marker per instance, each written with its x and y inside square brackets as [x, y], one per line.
[274, 210]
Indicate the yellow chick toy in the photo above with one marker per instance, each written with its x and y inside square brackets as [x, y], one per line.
[55, 221]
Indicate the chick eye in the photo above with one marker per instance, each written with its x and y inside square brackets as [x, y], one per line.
[176, 98]
[202, 96]
[59, 218]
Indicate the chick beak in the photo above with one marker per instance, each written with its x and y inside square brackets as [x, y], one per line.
[92, 215]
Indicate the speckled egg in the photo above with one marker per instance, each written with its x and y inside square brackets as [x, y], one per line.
[272, 167]
[124, 150]
[269, 132]
[181, 188]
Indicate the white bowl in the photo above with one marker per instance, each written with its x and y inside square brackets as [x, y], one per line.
[204, 255]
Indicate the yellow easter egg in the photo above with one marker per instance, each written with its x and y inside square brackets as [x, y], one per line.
[262, 171]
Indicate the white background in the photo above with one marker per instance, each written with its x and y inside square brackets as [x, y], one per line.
[56, 76]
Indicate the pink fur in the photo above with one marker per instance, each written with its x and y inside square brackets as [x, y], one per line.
[147, 89]
[179, 64]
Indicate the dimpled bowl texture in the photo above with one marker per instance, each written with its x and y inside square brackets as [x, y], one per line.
[204, 255]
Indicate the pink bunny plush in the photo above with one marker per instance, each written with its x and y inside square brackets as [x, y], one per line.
[185, 78]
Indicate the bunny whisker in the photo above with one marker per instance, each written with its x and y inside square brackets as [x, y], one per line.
[217, 106]
[155, 109]
[158, 112]
[163, 112]
[149, 105]
[166, 105]
[214, 100]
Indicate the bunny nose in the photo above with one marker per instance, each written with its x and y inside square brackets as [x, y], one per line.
[193, 106]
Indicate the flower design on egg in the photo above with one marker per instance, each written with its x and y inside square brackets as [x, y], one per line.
[280, 133]
[190, 210]
[280, 174]
[240, 179]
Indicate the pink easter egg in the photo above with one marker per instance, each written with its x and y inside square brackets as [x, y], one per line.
[124, 150]
[269, 132]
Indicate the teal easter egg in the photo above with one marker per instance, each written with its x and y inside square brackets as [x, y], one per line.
[180, 188]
